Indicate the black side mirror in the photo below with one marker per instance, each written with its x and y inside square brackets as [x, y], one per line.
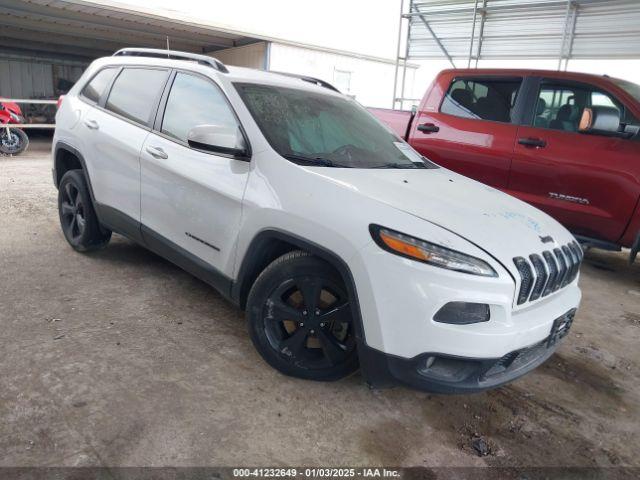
[218, 138]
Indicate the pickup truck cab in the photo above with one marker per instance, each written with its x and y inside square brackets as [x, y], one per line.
[520, 131]
[345, 247]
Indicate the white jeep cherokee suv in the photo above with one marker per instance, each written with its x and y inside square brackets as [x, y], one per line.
[345, 247]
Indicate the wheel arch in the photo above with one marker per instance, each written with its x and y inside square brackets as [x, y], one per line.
[270, 244]
[65, 158]
[373, 364]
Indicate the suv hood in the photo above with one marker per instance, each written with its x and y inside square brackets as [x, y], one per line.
[500, 224]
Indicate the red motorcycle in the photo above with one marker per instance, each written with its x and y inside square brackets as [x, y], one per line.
[12, 140]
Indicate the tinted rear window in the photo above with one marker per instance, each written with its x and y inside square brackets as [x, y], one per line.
[98, 83]
[134, 93]
[483, 99]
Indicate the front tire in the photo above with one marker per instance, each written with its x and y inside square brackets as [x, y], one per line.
[14, 142]
[78, 218]
[300, 319]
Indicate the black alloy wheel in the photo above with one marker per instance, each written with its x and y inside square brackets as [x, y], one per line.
[301, 319]
[78, 218]
[72, 212]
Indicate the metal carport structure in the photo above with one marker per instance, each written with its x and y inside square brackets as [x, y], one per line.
[467, 31]
[44, 41]
[82, 30]
[46, 44]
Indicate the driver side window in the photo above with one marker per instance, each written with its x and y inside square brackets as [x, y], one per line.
[195, 101]
[560, 107]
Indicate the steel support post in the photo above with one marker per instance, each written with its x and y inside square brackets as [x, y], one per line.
[473, 33]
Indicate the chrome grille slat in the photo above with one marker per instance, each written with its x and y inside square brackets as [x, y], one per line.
[577, 249]
[526, 279]
[553, 272]
[569, 255]
[562, 269]
[543, 274]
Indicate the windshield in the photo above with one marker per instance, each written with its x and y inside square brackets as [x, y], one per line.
[325, 130]
[632, 89]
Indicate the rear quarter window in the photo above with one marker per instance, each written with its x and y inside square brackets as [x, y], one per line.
[96, 86]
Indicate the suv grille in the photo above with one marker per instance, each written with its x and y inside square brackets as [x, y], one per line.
[542, 275]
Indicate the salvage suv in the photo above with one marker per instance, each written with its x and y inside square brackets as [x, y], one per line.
[345, 247]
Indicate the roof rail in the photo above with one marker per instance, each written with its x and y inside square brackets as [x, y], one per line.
[315, 81]
[172, 54]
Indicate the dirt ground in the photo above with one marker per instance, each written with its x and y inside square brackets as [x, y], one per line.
[120, 358]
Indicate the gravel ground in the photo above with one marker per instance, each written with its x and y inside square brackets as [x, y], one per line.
[120, 358]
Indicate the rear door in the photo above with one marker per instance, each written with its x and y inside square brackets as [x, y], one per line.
[472, 131]
[192, 198]
[587, 182]
[115, 130]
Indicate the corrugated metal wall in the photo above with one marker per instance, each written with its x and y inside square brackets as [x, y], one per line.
[527, 28]
[31, 78]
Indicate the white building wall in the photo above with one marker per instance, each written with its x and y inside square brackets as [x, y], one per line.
[369, 81]
[251, 56]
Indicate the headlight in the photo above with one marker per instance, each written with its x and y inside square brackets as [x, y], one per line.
[15, 117]
[426, 252]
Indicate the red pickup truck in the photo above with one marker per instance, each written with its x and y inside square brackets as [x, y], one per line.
[565, 142]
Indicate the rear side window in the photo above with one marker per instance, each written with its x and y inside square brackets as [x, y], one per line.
[98, 83]
[482, 99]
[195, 101]
[134, 93]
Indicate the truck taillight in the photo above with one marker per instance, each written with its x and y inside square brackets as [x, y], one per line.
[59, 101]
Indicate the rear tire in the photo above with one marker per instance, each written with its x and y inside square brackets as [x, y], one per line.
[14, 143]
[78, 218]
[300, 319]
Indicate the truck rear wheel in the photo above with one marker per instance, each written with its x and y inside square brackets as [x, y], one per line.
[300, 319]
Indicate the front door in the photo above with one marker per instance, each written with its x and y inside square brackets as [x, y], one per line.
[190, 197]
[587, 182]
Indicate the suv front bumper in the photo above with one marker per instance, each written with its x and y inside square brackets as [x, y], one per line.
[441, 373]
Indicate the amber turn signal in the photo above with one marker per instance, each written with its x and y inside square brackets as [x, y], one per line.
[405, 248]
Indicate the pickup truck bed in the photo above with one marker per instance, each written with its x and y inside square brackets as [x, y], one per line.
[398, 120]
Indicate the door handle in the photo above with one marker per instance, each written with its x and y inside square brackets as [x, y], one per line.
[428, 128]
[157, 152]
[532, 142]
[92, 124]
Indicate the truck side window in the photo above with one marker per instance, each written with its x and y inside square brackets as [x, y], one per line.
[482, 99]
[195, 101]
[559, 107]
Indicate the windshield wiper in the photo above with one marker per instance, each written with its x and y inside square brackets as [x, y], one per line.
[314, 161]
[405, 166]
